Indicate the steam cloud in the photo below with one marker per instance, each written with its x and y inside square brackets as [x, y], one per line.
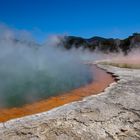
[29, 71]
[132, 58]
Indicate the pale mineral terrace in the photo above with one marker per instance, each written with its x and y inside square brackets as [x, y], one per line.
[113, 114]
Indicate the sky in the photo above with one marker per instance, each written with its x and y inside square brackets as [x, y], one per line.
[85, 18]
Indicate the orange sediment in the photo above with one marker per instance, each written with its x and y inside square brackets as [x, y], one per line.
[101, 80]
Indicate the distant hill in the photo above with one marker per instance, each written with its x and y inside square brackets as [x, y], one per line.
[105, 45]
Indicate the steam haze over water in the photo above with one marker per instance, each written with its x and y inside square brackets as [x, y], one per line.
[30, 72]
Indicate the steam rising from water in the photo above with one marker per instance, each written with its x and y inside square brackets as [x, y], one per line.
[29, 71]
[132, 58]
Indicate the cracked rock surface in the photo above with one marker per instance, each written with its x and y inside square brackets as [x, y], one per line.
[112, 115]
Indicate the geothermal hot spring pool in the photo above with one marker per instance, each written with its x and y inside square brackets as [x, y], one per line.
[29, 72]
[24, 88]
[36, 78]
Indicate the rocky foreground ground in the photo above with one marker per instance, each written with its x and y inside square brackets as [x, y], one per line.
[112, 115]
